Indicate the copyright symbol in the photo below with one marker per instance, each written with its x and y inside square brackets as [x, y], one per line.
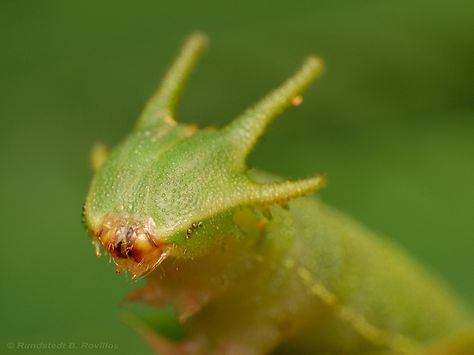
[10, 345]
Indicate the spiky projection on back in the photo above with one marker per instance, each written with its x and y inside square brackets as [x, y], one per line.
[167, 177]
[247, 265]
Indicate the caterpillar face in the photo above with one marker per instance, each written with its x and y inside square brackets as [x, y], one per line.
[162, 191]
[131, 242]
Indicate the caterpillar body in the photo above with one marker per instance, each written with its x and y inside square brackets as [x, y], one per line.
[250, 262]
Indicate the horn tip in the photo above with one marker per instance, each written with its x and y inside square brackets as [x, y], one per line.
[315, 64]
[199, 39]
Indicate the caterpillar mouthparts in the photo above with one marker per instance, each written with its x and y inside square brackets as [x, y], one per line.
[131, 242]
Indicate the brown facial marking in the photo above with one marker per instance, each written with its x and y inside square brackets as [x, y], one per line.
[131, 242]
[139, 253]
[152, 240]
[121, 249]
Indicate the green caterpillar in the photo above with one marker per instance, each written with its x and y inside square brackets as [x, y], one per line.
[250, 263]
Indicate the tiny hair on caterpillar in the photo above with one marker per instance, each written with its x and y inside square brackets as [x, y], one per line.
[252, 263]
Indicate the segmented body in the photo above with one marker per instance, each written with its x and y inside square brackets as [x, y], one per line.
[250, 263]
[311, 281]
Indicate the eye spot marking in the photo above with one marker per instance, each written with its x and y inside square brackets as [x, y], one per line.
[190, 230]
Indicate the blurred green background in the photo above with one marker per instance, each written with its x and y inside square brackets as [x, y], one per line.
[391, 123]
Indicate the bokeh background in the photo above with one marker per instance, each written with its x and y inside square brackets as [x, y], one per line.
[391, 122]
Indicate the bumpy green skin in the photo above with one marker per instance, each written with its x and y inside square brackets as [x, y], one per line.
[250, 265]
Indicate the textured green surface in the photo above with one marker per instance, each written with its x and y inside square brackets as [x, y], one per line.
[391, 123]
[244, 274]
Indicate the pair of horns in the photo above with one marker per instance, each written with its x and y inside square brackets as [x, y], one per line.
[246, 129]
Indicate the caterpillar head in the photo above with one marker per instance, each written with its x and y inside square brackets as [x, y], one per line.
[167, 189]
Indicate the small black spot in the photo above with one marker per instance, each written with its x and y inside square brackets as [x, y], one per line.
[83, 210]
[83, 215]
[118, 249]
[188, 234]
